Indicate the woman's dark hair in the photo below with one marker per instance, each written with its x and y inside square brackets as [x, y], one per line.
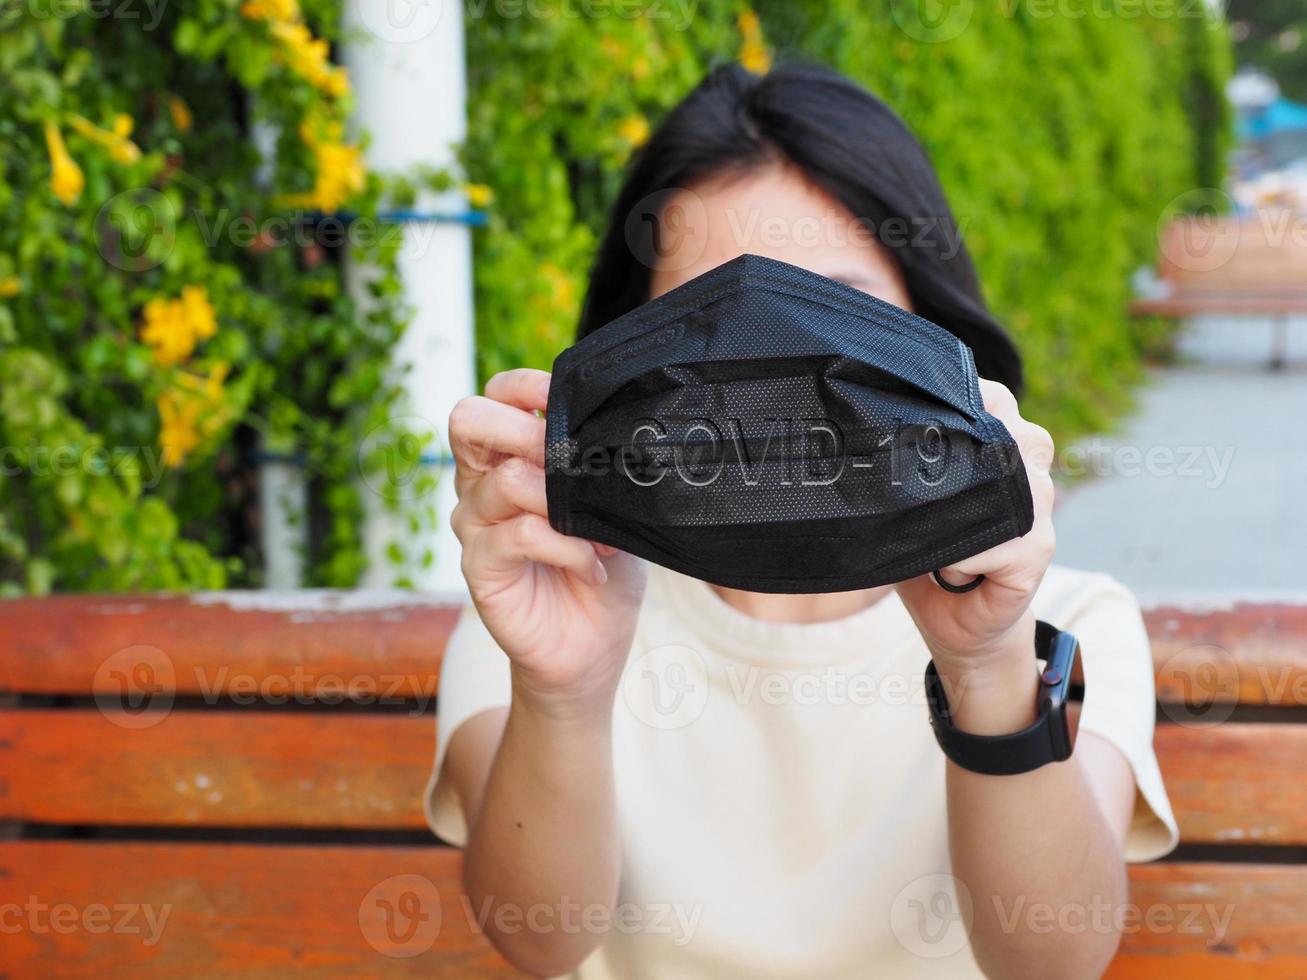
[846, 142]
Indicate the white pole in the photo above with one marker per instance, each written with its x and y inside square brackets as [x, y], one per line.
[406, 66]
[283, 510]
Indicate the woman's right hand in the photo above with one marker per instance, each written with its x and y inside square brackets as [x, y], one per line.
[562, 608]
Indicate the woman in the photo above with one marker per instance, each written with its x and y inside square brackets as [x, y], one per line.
[657, 777]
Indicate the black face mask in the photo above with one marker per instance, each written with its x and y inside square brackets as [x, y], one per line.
[766, 428]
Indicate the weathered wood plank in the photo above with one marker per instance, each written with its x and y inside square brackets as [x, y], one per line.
[222, 910]
[1236, 783]
[1215, 922]
[208, 644]
[320, 644]
[1246, 652]
[216, 768]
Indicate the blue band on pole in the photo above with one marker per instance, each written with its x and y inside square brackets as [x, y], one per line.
[476, 219]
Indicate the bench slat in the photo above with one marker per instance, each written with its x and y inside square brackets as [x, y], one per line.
[1233, 783]
[1252, 653]
[61, 644]
[1196, 303]
[277, 911]
[319, 641]
[1260, 252]
[1236, 783]
[1266, 935]
[216, 768]
[240, 910]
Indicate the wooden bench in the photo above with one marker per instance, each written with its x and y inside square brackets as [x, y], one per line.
[1248, 268]
[285, 836]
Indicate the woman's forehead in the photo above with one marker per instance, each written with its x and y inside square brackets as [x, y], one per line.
[773, 211]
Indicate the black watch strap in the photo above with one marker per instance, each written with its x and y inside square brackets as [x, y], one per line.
[1048, 739]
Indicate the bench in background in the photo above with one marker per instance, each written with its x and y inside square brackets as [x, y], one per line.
[289, 839]
[1252, 268]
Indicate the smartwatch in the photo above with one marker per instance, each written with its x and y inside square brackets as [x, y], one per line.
[1049, 739]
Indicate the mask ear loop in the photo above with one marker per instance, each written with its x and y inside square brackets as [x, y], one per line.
[957, 589]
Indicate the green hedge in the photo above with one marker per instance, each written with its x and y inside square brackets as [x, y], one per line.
[1060, 140]
[149, 342]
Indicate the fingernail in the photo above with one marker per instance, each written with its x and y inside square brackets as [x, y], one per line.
[600, 575]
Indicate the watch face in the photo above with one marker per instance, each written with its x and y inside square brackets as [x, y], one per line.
[1055, 682]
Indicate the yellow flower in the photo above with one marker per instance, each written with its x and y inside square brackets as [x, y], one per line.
[124, 150]
[166, 332]
[191, 412]
[121, 149]
[66, 178]
[611, 46]
[199, 312]
[634, 129]
[173, 327]
[562, 290]
[340, 175]
[211, 386]
[299, 44]
[340, 170]
[270, 9]
[479, 195]
[10, 286]
[182, 119]
[306, 56]
[178, 432]
[756, 58]
[754, 53]
[335, 83]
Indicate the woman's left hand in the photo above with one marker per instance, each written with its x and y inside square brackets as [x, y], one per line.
[982, 631]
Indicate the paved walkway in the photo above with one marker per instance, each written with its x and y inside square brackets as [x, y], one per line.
[1204, 489]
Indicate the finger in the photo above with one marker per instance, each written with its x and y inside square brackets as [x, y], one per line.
[513, 487]
[1010, 563]
[951, 581]
[482, 431]
[989, 563]
[526, 538]
[999, 400]
[524, 388]
[1036, 445]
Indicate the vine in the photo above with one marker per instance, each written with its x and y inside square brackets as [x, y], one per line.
[172, 302]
